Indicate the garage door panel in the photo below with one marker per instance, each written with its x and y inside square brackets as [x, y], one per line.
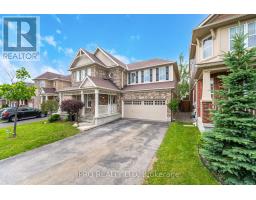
[148, 112]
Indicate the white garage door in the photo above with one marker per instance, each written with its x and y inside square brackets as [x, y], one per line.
[146, 109]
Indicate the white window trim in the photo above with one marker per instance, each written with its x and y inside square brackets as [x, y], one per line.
[245, 25]
[144, 75]
[202, 52]
[248, 33]
[164, 74]
[131, 78]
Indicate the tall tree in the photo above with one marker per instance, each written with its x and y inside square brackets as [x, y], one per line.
[183, 85]
[230, 148]
[17, 91]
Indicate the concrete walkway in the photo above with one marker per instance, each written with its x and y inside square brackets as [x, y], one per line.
[116, 153]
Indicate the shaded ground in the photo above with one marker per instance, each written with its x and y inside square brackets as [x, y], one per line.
[177, 159]
[116, 153]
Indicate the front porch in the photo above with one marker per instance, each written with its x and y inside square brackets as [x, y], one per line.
[100, 106]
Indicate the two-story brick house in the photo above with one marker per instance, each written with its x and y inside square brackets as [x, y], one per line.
[210, 40]
[47, 85]
[112, 89]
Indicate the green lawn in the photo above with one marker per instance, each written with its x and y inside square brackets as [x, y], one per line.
[33, 135]
[178, 161]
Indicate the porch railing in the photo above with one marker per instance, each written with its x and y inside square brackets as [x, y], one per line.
[107, 109]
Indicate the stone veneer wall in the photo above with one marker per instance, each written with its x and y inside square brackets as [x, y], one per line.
[150, 95]
[99, 72]
[117, 76]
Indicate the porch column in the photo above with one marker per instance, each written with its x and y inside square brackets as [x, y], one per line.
[82, 99]
[96, 103]
[206, 93]
[122, 108]
[206, 103]
[46, 98]
[60, 100]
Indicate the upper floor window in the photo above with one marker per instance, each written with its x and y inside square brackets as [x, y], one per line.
[162, 73]
[132, 77]
[207, 47]
[78, 76]
[42, 83]
[234, 31]
[146, 75]
[83, 74]
[252, 34]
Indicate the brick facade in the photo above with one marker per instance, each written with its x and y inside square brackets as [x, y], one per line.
[206, 112]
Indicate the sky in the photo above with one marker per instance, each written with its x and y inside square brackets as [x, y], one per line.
[131, 38]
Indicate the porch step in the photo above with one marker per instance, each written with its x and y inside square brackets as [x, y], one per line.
[83, 126]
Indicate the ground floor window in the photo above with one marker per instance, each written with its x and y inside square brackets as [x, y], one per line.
[149, 102]
[103, 99]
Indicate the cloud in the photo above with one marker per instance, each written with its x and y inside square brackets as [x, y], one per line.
[135, 37]
[48, 68]
[6, 68]
[66, 51]
[123, 58]
[49, 40]
[58, 31]
[57, 19]
[45, 53]
[69, 52]
[91, 46]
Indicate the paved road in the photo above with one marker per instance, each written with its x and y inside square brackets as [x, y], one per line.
[6, 123]
[116, 153]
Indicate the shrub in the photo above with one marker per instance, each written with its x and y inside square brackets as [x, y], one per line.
[54, 118]
[72, 107]
[173, 105]
[49, 106]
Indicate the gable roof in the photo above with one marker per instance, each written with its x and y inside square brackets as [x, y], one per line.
[99, 83]
[52, 76]
[111, 57]
[94, 58]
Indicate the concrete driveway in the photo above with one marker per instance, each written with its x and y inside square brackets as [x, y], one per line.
[117, 153]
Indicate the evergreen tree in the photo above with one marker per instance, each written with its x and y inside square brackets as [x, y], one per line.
[230, 149]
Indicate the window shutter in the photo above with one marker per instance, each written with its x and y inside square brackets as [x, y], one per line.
[129, 78]
[137, 76]
[167, 73]
[151, 77]
[142, 76]
[157, 74]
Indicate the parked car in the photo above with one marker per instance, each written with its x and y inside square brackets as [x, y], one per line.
[1, 110]
[23, 113]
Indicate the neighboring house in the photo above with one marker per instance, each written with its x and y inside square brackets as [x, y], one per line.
[209, 40]
[3, 102]
[47, 85]
[28, 102]
[112, 89]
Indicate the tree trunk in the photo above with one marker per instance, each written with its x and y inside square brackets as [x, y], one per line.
[15, 120]
[77, 118]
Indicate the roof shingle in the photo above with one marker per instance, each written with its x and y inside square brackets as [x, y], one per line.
[51, 76]
[148, 63]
